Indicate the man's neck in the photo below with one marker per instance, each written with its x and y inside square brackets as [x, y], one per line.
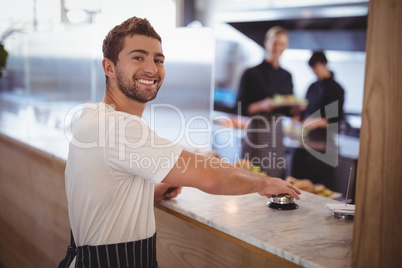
[273, 62]
[120, 102]
[325, 75]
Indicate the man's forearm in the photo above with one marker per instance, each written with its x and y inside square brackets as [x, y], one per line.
[214, 176]
[230, 180]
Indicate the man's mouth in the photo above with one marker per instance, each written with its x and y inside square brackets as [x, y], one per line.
[146, 81]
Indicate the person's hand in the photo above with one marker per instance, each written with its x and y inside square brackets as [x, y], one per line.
[269, 104]
[297, 109]
[265, 105]
[296, 119]
[278, 186]
[166, 191]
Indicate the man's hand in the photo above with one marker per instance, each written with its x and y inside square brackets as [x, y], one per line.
[265, 105]
[166, 191]
[278, 186]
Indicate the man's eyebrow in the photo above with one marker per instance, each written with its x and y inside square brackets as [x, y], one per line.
[159, 55]
[138, 51]
[142, 51]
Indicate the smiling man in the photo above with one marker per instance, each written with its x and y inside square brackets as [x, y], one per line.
[110, 199]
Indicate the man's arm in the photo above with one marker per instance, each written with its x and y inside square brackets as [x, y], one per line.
[217, 177]
[265, 105]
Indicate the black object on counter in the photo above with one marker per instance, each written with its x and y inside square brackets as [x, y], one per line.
[282, 206]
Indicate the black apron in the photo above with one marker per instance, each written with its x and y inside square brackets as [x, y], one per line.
[137, 254]
[263, 144]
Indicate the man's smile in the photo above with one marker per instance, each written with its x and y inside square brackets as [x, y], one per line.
[147, 81]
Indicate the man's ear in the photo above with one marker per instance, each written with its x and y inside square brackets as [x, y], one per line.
[109, 68]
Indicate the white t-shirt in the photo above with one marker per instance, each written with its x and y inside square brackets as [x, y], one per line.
[114, 161]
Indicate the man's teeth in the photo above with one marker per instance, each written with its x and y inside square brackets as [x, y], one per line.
[148, 82]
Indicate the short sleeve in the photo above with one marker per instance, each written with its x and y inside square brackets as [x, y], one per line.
[133, 148]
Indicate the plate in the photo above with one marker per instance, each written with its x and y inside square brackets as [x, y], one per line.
[290, 104]
[288, 100]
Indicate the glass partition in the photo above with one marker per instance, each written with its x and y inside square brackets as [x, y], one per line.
[55, 64]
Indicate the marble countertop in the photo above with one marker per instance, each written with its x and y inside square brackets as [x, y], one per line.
[309, 236]
[24, 128]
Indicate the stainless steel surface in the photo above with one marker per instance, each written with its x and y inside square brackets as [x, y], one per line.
[282, 199]
[314, 27]
[311, 11]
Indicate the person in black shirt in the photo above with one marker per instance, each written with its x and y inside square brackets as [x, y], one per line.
[325, 108]
[259, 84]
[263, 144]
[323, 92]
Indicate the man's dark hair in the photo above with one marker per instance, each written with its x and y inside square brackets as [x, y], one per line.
[114, 40]
[317, 57]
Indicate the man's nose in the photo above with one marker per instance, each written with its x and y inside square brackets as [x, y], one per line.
[149, 67]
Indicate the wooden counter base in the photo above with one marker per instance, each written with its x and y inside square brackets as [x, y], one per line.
[184, 242]
[34, 225]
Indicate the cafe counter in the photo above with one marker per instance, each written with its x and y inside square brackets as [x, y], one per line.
[308, 236]
[194, 230]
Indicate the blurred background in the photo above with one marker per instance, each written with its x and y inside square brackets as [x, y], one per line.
[54, 47]
[52, 61]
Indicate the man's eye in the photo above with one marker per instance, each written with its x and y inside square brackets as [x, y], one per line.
[137, 58]
[159, 61]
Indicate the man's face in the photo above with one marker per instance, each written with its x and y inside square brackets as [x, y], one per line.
[319, 69]
[140, 68]
[276, 45]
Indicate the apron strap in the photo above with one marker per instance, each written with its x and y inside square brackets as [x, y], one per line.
[70, 254]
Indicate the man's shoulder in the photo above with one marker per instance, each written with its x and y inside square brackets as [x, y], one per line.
[258, 69]
[264, 65]
[315, 86]
[334, 85]
[285, 72]
[253, 69]
[278, 71]
[93, 116]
